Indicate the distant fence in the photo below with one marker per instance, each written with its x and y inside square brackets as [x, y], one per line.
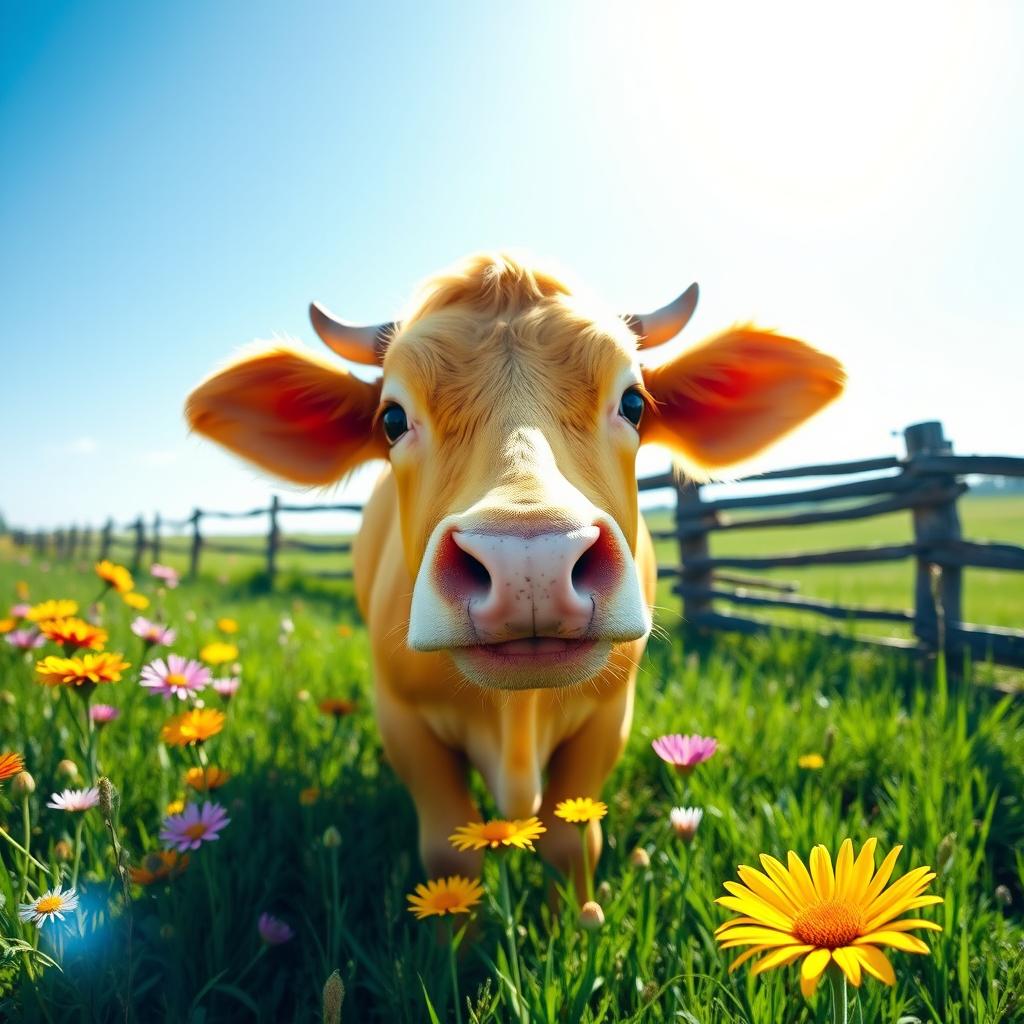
[927, 483]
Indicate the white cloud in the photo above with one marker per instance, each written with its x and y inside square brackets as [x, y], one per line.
[82, 446]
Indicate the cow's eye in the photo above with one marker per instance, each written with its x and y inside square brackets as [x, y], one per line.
[631, 406]
[394, 422]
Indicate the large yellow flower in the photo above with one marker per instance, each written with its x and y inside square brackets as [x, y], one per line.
[452, 895]
[193, 726]
[218, 652]
[74, 633]
[825, 916]
[581, 809]
[79, 671]
[116, 576]
[480, 834]
[52, 610]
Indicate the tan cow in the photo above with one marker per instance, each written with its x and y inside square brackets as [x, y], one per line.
[502, 567]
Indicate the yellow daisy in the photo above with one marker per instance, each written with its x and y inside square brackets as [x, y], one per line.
[205, 779]
[826, 916]
[218, 652]
[193, 726]
[135, 600]
[52, 610]
[480, 834]
[811, 761]
[74, 633]
[81, 671]
[580, 810]
[116, 576]
[451, 895]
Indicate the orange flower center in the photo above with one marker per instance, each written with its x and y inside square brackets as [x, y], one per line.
[497, 831]
[829, 925]
[447, 900]
[175, 679]
[49, 905]
[196, 831]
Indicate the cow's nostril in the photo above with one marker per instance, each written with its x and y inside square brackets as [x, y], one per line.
[460, 575]
[597, 569]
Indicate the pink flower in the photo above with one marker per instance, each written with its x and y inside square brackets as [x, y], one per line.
[685, 752]
[19, 611]
[25, 639]
[101, 714]
[75, 799]
[194, 826]
[177, 676]
[274, 931]
[165, 573]
[227, 688]
[153, 632]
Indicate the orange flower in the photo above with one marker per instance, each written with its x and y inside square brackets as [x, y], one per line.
[479, 834]
[451, 895]
[10, 764]
[52, 610]
[6, 625]
[159, 865]
[205, 779]
[116, 576]
[79, 671]
[74, 633]
[193, 726]
[227, 625]
[337, 706]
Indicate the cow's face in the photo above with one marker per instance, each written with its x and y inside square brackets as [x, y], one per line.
[511, 416]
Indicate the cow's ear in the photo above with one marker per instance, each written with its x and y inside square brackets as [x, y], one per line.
[290, 415]
[733, 395]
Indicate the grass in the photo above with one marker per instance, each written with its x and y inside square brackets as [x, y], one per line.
[907, 760]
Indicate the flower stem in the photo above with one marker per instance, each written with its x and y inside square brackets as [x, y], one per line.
[837, 981]
[78, 849]
[21, 849]
[454, 971]
[513, 953]
[587, 876]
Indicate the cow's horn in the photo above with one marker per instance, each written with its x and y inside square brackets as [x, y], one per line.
[665, 323]
[360, 344]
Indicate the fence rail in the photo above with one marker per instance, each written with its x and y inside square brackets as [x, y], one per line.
[927, 483]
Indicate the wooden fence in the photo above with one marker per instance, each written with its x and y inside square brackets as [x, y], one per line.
[926, 483]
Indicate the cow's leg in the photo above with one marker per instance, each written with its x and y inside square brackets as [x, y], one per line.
[578, 768]
[435, 776]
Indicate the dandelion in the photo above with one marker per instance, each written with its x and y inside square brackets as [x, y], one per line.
[218, 652]
[227, 688]
[168, 576]
[194, 726]
[52, 904]
[478, 835]
[74, 633]
[116, 576]
[176, 677]
[10, 764]
[685, 821]
[194, 826]
[74, 800]
[273, 931]
[153, 633]
[811, 761]
[134, 600]
[684, 753]
[227, 625]
[159, 865]
[451, 895]
[81, 671]
[46, 610]
[103, 714]
[205, 779]
[337, 707]
[826, 917]
[581, 810]
[25, 639]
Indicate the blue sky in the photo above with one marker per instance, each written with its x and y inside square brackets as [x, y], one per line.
[180, 179]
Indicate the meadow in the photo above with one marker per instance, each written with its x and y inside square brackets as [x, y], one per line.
[322, 835]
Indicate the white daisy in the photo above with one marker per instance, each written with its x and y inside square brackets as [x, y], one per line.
[51, 904]
[685, 822]
[75, 799]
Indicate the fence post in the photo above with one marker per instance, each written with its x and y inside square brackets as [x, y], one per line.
[154, 547]
[140, 543]
[273, 539]
[86, 541]
[934, 524]
[106, 538]
[197, 544]
[72, 542]
[693, 543]
[59, 545]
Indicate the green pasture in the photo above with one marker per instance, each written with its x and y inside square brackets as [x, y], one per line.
[907, 759]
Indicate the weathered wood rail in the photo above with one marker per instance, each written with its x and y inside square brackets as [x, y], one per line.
[927, 483]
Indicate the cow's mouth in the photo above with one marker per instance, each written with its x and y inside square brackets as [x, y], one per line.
[533, 651]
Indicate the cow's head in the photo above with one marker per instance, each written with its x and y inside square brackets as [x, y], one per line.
[511, 412]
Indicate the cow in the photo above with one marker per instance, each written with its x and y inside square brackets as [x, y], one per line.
[503, 570]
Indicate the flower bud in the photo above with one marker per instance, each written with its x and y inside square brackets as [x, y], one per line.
[591, 916]
[23, 784]
[334, 996]
[640, 858]
[106, 802]
[332, 838]
[1003, 895]
[67, 768]
[604, 892]
[685, 821]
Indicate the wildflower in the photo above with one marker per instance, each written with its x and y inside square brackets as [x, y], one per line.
[74, 799]
[63, 850]
[79, 671]
[103, 714]
[684, 753]
[176, 807]
[10, 764]
[116, 576]
[591, 916]
[153, 632]
[218, 652]
[337, 706]
[309, 796]
[195, 726]
[23, 784]
[6, 625]
[451, 895]
[811, 761]
[135, 600]
[52, 610]
[205, 779]
[74, 633]
[581, 810]
[825, 916]
[19, 611]
[168, 576]
[227, 688]
[640, 858]
[685, 821]
[175, 677]
[227, 625]
[25, 639]
[274, 931]
[157, 866]
[52, 904]
[194, 826]
[478, 834]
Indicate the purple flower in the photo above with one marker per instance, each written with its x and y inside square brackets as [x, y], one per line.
[194, 826]
[227, 688]
[685, 752]
[274, 931]
[165, 573]
[101, 714]
[178, 676]
[153, 632]
[25, 639]
[75, 799]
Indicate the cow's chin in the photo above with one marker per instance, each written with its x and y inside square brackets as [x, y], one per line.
[532, 664]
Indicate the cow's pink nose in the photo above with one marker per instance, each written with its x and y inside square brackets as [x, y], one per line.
[516, 586]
